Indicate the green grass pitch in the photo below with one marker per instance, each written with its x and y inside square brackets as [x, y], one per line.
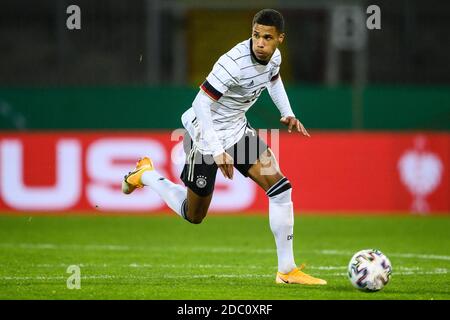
[226, 257]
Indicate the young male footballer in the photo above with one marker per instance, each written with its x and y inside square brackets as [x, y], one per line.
[219, 136]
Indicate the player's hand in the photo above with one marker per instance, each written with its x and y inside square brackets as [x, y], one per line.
[225, 163]
[292, 122]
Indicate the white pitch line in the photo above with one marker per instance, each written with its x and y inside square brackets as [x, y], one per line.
[399, 255]
[187, 266]
[209, 266]
[421, 256]
[102, 276]
[115, 247]
[437, 271]
[52, 246]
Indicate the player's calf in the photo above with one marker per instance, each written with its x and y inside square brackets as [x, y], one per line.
[281, 219]
[196, 207]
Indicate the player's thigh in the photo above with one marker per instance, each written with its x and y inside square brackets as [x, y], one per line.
[199, 176]
[200, 181]
[265, 171]
[251, 158]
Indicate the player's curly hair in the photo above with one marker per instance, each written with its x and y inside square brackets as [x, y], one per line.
[269, 17]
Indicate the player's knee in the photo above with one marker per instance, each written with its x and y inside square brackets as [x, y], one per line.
[196, 216]
[280, 192]
[196, 220]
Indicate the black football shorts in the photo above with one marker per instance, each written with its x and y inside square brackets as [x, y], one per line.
[199, 172]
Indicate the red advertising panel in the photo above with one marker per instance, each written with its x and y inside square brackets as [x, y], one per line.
[331, 172]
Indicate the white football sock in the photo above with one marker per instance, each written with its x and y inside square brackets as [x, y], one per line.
[174, 195]
[281, 218]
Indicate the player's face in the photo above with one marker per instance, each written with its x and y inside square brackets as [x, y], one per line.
[265, 41]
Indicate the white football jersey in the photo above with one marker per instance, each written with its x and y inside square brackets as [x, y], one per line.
[235, 83]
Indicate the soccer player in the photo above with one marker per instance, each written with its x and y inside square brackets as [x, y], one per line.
[219, 136]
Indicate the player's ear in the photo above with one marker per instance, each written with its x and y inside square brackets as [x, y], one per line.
[281, 37]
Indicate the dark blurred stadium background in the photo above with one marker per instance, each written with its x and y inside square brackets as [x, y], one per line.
[377, 102]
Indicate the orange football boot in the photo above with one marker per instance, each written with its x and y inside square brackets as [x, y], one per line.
[132, 180]
[296, 276]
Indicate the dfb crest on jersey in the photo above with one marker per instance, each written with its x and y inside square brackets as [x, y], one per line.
[201, 181]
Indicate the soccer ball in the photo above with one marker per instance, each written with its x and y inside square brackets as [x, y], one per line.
[369, 270]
